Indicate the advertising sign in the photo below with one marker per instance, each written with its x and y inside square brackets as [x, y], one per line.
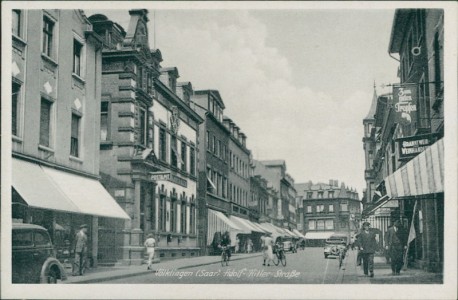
[167, 176]
[405, 103]
[413, 145]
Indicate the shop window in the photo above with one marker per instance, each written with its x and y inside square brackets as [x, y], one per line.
[312, 225]
[45, 122]
[75, 135]
[48, 27]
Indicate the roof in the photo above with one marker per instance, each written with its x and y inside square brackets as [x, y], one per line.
[214, 93]
[400, 20]
[277, 162]
[173, 70]
[371, 113]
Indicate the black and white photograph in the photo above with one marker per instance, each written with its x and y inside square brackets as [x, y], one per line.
[229, 150]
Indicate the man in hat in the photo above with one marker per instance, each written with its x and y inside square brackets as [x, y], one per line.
[367, 244]
[79, 264]
[150, 243]
[395, 241]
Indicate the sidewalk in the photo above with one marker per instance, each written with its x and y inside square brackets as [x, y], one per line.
[101, 274]
[354, 274]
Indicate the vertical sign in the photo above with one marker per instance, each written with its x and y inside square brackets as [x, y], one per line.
[405, 103]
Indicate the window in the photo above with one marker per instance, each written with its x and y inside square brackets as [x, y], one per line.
[219, 151]
[309, 195]
[140, 77]
[16, 22]
[312, 225]
[77, 49]
[15, 99]
[214, 145]
[208, 141]
[183, 217]
[320, 195]
[437, 65]
[173, 153]
[173, 216]
[75, 132]
[192, 163]
[45, 122]
[224, 187]
[162, 213]
[320, 208]
[142, 120]
[329, 224]
[48, 27]
[309, 209]
[162, 145]
[183, 156]
[343, 224]
[21, 238]
[104, 121]
[331, 194]
[192, 219]
[343, 207]
[320, 224]
[331, 207]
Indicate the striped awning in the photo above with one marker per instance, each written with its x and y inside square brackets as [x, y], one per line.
[422, 175]
[300, 235]
[218, 222]
[246, 224]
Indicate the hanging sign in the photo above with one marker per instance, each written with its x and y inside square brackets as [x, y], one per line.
[414, 145]
[405, 103]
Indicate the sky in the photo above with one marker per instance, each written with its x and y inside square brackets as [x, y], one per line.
[298, 82]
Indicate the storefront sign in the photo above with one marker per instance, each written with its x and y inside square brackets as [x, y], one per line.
[167, 176]
[405, 103]
[411, 146]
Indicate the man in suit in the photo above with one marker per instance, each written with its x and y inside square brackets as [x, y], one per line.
[395, 241]
[367, 244]
[80, 251]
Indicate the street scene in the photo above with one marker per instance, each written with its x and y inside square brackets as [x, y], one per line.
[237, 146]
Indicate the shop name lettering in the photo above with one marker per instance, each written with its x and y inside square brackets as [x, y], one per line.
[170, 177]
[405, 102]
[253, 273]
[411, 147]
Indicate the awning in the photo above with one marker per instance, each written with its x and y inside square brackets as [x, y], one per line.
[292, 234]
[47, 188]
[300, 235]
[247, 224]
[259, 227]
[276, 231]
[322, 235]
[422, 175]
[218, 222]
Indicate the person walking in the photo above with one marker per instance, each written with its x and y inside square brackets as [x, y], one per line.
[396, 238]
[367, 244]
[79, 264]
[150, 243]
[267, 253]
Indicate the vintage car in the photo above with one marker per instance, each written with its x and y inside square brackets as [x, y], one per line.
[289, 246]
[334, 245]
[33, 256]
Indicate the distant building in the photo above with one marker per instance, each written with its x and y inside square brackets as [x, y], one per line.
[327, 209]
[56, 75]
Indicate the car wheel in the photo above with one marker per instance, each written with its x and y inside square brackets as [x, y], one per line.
[52, 277]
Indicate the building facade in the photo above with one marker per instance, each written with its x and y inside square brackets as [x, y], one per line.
[56, 76]
[328, 209]
[409, 129]
[148, 145]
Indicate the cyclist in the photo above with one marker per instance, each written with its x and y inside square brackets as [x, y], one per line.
[226, 242]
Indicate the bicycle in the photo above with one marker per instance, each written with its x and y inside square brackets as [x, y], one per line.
[224, 256]
[279, 255]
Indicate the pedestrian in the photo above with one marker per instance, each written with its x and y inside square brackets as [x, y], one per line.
[396, 239]
[367, 244]
[237, 245]
[267, 253]
[150, 243]
[79, 264]
[249, 246]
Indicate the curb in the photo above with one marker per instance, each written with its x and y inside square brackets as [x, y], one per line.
[133, 274]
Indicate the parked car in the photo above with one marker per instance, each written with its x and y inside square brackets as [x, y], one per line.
[33, 256]
[289, 246]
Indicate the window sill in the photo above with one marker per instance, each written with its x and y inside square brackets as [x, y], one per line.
[49, 60]
[16, 139]
[44, 148]
[19, 40]
[75, 159]
[78, 78]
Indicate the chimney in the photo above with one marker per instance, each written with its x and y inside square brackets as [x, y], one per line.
[336, 183]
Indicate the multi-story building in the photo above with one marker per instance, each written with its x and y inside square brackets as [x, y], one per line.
[408, 165]
[213, 168]
[148, 145]
[259, 199]
[56, 75]
[239, 170]
[328, 209]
